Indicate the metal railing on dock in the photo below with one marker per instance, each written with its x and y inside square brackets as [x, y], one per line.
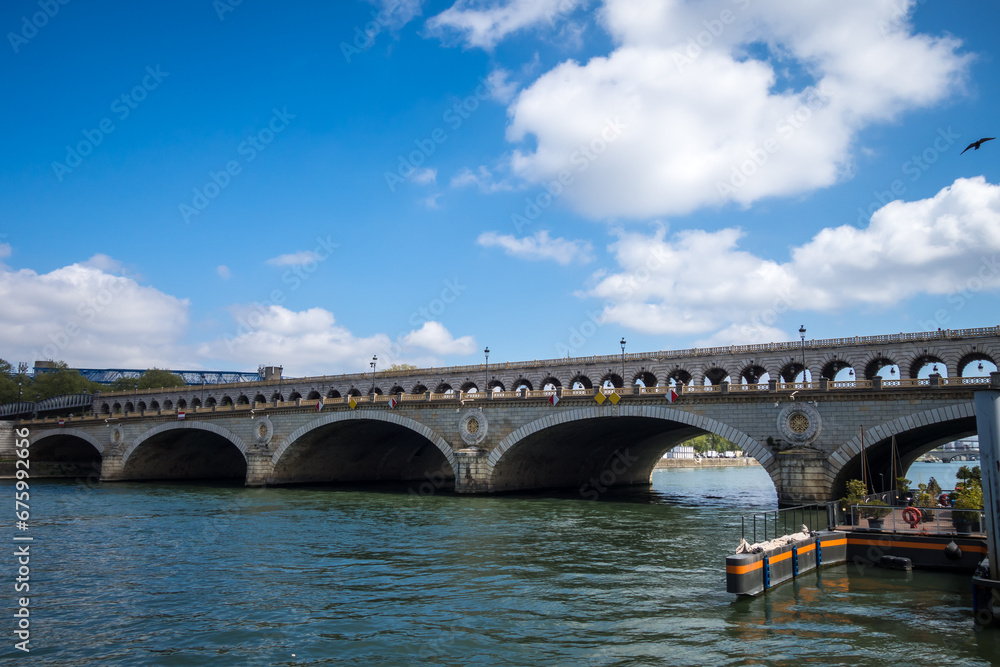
[764, 526]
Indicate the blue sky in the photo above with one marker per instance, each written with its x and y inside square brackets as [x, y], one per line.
[205, 184]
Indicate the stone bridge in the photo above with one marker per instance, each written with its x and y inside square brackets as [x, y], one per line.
[581, 429]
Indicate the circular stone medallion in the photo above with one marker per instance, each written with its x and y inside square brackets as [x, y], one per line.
[473, 426]
[799, 423]
[263, 429]
[117, 436]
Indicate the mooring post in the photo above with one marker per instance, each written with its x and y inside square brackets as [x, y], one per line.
[988, 426]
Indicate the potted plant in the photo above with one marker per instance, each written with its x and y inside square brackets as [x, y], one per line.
[855, 496]
[968, 505]
[875, 511]
[903, 494]
[925, 500]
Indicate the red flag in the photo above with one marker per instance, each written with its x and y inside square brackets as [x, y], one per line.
[62, 421]
[672, 396]
[180, 415]
[553, 399]
[319, 405]
[392, 402]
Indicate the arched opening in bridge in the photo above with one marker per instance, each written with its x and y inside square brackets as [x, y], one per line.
[470, 388]
[910, 444]
[591, 454]
[496, 385]
[679, 376]
[227, 401]
[644, 379]
[129, 407]
[753, 374]
[65, 455]
[396, 390]
[837, 370]
[211, 402]
[444, 388]
[551, 384]
[883, 367]
[364, 451]
[333, 393]
[377, 391]
[181, 404]
[612, 381]
[419, 389]
[195, 402]
[791, 371]
[294, 396]
[353, 391]
[105, 409]
[522, 383]
[243, 400]
[154, 405]
[976, 364]
[142, 406]
[116, 408]
[581, 381]
[926, 365]
[185, 453]
[313, 395]
[716, 376]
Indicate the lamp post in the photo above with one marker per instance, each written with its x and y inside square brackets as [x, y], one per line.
[372, 364]
[802, 334]
[623, 361]
[881, 481]
[487, 385]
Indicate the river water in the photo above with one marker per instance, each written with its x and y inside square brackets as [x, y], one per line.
[194, 574]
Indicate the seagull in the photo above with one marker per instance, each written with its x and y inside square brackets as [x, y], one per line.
[977, 144]
[793, 394]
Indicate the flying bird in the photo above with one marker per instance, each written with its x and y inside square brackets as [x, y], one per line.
[977, 144]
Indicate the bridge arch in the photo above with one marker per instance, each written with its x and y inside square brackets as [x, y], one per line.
[418, 389]
[644, 378]
[550, 383]
[977, 357]
[680, 376]
[582, 380]
[752, 373]
[915, 434]
[833, 366]
[185, 450]
[368, 446]
[396, 389]
[568, 449]
[74, 451]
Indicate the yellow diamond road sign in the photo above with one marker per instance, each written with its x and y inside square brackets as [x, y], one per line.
[614, 398]
[352, 403]
[600, 397]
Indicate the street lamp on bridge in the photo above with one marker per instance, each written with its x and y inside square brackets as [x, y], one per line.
[623, 362]
[486, 387]
[802, 334]
[372, 364]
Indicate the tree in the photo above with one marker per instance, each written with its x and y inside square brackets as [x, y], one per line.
[59, 382]
[9, 380]
[154, 378]
[703, 443]
[400, 367]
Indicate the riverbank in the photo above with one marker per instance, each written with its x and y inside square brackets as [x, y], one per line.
[706, 463]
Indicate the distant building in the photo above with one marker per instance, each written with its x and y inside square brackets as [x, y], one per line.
[680, 452]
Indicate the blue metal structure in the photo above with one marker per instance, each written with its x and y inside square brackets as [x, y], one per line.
[57, 404]
[109, 375]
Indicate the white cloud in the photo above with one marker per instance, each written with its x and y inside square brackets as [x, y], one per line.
[485, 27]
[398, 12]
[501, 88]
[540, 246]
[434, 337]
[224, 272]
[310, 342]
[296, 258]
[700, 282]
[424, 176]
[88, 317]
[5, 250]
[482, 178]
[707, 118]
